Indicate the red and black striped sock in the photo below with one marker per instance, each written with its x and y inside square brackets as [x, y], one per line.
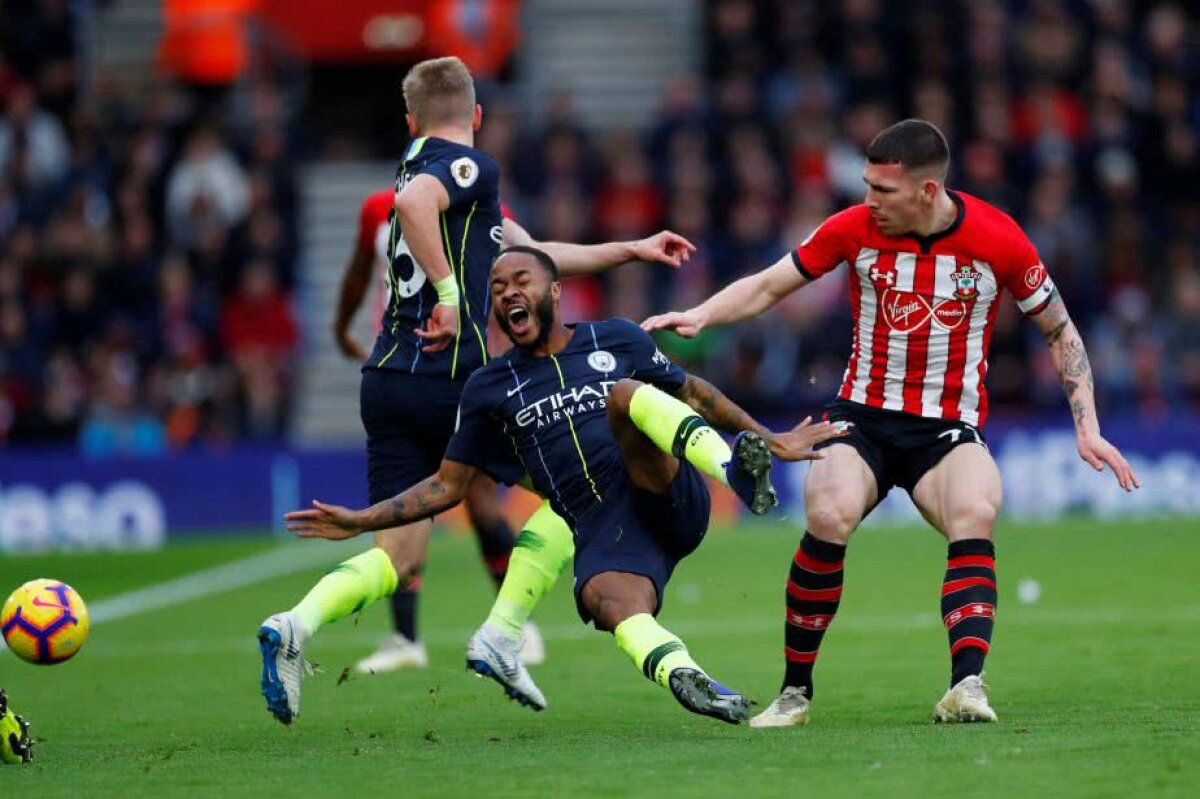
[969, 604]
[814, 589]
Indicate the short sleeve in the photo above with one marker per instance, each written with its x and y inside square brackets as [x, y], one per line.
[463, 174]
[828, 246]
[1025, 275]
[646, 361]
[479, 439]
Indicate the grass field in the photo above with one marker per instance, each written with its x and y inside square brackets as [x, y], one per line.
[1096, 683]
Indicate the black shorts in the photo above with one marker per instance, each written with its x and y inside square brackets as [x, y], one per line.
[640, 532]
[409, 420]
[899, 447]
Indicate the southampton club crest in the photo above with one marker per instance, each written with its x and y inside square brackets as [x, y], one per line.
[966, 282]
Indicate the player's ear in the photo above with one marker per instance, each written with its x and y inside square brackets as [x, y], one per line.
[929, 189]
[412, 125]
[555, 289]
[477, 117]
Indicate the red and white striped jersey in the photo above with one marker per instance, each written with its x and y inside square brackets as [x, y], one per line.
[374, 227]
[924, 307]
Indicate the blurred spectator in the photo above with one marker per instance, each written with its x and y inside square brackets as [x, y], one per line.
[207, 187]
[34, 151]
[118, 424]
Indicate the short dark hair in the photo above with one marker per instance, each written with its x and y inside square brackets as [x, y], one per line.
[541, 256]
[912, 143]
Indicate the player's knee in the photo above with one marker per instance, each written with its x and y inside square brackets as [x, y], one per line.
[608, 606]
[621, 396]
[975, 518]
[832, 517]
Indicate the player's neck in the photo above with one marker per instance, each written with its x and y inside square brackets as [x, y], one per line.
[945, 212]
[560, 336]
[455, 133]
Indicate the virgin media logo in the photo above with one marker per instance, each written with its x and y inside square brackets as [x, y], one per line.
[907, 312]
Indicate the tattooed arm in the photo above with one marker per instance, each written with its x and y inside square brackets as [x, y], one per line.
[1075, 373]
[432, 495]
[725, 415]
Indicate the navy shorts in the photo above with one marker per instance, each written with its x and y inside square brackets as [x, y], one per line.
[898, 447]
[640, 532]
[409, 420]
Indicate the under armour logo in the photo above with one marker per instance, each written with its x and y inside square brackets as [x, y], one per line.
[886, 277]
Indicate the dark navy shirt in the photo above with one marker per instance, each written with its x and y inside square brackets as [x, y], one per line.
[546, 417]
[471, 229]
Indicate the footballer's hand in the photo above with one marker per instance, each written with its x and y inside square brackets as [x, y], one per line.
[664, 247]
[797, 444]
[685, 323]
[324, 521]
[1098, 453]
[440, 329]
[349, 347]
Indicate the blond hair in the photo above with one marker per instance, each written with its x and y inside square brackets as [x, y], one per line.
[440, 91]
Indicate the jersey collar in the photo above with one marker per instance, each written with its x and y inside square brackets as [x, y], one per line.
[926, 242]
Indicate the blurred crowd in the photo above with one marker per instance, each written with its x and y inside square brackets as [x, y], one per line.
[1081, 118]
[148, 243]
[147, 248]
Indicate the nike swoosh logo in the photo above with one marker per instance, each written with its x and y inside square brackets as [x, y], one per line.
[520, 386]
[37, 600]
[508, 668]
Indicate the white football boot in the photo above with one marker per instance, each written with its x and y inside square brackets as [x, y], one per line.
[533, 648]
[490, 653]
[394, 652]
[789, 709]
[966, 702]
[281, 640]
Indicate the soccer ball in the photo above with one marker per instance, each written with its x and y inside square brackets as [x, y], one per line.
[44, 621]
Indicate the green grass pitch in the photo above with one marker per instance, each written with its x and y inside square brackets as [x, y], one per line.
[1095, 683]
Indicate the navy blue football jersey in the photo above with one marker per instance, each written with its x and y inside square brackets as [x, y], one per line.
[547, 417]
[471, 230]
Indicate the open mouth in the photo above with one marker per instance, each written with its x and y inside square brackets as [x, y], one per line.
[519, 320]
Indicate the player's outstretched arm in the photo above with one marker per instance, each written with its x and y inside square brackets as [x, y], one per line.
[418, 207]
[1075, 373]
[355, 281]
[582, 259]
[725, 415]
[742, 299]
[432, 495]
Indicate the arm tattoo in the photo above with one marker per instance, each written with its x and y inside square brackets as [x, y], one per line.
[1078, 410]
[1053, 320]
[422, 500]
[717, 409]
[1056, 331]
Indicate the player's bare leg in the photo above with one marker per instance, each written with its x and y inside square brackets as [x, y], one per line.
[624, 604]
[961, 497]
[838, 491]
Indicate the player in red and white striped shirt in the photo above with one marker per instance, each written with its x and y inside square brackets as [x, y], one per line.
[928, 267]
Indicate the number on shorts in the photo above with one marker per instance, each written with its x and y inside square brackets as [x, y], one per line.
[956, 433]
